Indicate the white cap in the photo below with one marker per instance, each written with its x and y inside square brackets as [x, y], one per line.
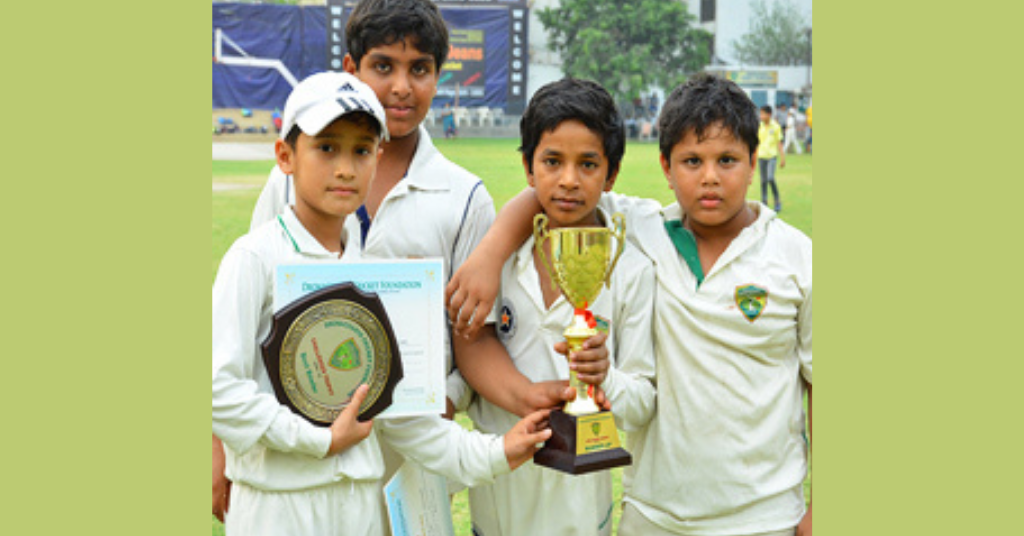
[323, 97]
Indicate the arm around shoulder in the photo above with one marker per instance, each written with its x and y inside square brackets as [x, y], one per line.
[471, 292]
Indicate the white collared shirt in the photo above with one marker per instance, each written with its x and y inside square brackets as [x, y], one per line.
[437, 210]
[267, 446]
[537, 500]
[725, 452]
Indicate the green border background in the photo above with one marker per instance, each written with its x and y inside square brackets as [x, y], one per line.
[106, 298]
[107, 219]
[918, 355]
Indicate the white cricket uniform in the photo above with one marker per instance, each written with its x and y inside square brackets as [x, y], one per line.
[538, 500]
[276, 458]
[725, 454]
[790, 136]
[437, 210]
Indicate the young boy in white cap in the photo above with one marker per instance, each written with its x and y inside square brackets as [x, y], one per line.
[291, 477]
[421, 204]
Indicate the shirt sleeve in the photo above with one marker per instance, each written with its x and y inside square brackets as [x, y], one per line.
[458, 391]
[243, 414]
[635, 209]
[273, 199]
[479, 217]
[803, 343]
[446, 448]
[629, 384]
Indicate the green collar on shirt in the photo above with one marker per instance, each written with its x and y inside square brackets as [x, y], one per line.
[289, 233]
[686, 245]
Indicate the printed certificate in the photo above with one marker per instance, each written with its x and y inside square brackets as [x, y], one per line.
[418, 503]
[412, 291]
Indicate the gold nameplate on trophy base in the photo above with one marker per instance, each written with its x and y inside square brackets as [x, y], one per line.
[595, 433]
[582, 444]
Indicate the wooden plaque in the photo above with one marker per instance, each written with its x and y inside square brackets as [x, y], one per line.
[322, 346]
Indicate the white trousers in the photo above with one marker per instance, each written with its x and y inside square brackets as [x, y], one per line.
[347, 508]
[633, 523]
[791, 140]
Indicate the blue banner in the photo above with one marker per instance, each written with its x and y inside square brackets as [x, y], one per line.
[295, 36]
[260, 46]
[478, 60]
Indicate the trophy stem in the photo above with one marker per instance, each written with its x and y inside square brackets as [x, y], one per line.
[575, 335]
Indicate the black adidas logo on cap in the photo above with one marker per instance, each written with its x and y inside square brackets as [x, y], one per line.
[350, 103]
[354, 103]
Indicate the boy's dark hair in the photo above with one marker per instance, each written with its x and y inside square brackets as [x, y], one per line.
[703, 101]
[293, 136]
[767, 109]
[375, 23]
[574, 99]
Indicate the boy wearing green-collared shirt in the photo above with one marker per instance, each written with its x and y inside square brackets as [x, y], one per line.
[726, 453]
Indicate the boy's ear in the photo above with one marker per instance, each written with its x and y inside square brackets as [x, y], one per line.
[665, 169]
[285, 156]
[529, 176]
[349, 64]
[610, 182]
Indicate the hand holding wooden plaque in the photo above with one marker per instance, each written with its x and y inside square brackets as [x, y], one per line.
[325, 345]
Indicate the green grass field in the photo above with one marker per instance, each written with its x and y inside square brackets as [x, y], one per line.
[497, 162]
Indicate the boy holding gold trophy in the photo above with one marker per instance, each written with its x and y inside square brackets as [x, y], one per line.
[726, 453]
[572, 274]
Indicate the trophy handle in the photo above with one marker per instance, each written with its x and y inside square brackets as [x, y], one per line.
[619, 221]
[540, 234]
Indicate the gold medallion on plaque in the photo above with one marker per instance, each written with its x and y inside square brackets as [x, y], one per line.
[325, 345]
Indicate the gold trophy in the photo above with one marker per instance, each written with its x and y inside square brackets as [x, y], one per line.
[584, 438]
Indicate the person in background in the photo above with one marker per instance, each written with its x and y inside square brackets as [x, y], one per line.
[769, 150]
[448, 121]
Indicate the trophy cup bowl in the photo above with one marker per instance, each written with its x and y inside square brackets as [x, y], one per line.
[581, 262]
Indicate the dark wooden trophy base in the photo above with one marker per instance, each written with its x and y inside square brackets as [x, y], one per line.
[560, 451]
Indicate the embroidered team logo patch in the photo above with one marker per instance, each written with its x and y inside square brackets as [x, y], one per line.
[751, 300]
[507, 321]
